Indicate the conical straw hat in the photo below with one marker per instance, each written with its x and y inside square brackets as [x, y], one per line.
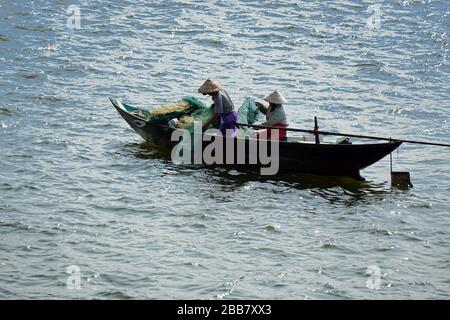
[209, 86]
[275, 97]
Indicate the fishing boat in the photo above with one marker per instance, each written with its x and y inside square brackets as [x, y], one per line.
[314, 157]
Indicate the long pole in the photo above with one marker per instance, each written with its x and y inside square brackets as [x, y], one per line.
[329, 133]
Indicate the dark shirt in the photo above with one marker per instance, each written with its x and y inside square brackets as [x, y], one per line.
[222, 102]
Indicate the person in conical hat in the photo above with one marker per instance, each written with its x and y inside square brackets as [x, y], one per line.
[275, 98]
[225, 115]
[275, 115]
[208, 87]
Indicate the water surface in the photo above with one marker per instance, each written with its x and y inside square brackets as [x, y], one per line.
[78, 187]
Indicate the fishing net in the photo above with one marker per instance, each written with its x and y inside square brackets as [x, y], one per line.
[201, 115]
[187, 105]
[168, 109]
[191, 109]
[248, 113]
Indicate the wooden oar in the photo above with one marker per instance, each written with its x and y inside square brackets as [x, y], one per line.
[317, 132]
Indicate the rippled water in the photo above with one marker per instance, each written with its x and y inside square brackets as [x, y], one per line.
[78, 187]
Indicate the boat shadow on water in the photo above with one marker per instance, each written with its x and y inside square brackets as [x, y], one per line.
[344, 190]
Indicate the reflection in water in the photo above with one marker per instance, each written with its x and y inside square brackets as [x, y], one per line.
[339, 190]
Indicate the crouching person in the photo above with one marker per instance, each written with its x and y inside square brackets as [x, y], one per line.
[275, 117]
[225, 113]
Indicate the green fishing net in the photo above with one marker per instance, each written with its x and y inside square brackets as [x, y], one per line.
[203, 115]
[193, 101]
[248, 113]
[188, 105]
[191, 109]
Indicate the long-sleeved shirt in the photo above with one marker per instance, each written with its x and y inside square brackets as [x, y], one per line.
[274, 117]
[222, 102]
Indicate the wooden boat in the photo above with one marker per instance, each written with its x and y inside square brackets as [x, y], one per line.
[294, 155]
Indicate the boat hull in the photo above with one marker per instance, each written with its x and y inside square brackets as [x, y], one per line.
[323, 159]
